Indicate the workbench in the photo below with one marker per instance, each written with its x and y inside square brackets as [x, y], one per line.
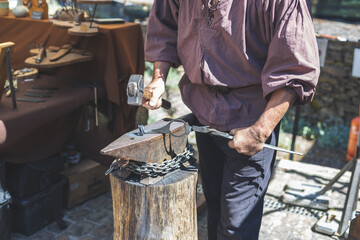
[39, 130]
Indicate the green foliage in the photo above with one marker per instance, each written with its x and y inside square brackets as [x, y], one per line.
[284, 140]
[334, 136]
[149, 69]
[173, 78]
[331, 133]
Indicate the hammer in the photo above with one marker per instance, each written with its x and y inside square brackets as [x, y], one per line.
[135, 92]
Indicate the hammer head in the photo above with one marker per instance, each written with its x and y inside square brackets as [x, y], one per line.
[135, 89]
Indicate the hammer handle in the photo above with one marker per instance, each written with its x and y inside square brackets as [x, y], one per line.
[165, 103]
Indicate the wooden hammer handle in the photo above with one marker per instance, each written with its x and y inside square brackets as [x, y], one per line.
[147, 95]
[165, 104]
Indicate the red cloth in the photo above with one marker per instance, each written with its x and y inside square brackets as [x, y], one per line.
[38, 130]
[118, 50]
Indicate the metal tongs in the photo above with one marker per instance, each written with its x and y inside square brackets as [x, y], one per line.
[201, 129]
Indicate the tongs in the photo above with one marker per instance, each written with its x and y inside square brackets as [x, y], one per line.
[201, 129]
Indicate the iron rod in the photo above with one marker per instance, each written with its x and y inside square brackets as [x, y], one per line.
[10, 76]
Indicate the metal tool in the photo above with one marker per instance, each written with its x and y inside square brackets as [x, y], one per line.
[10, 76]
[34, 100]
[37, 94]
[42, 51]
[135, 92]
[95, 103]
[320, 198]
[96, 106]
[306, 195]
[202, 129]
[45, 88]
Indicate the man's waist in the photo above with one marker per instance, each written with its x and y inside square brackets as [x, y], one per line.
[220, 89]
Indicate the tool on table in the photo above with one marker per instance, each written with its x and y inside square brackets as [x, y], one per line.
[25, 73]
[37, 94]
[34, 100]
[65, 49]
[8, 48]
[95, 103]
[45, 88]
[202, 129]
[96, 106]
[42, 51]
[135, 92]
[7, 89]
[73, 50]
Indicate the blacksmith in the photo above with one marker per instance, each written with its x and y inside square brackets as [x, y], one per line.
[246, 62]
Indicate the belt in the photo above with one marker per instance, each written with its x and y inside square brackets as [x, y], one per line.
[219, 89]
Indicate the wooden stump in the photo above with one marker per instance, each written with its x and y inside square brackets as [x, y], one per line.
[162, 211]
[354, 232]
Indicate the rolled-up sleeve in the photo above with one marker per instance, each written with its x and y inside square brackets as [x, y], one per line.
[161, 39]
[292, 62]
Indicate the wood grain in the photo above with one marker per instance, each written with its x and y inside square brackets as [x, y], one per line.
[163, 211]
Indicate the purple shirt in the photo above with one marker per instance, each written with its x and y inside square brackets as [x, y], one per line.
[253, 47]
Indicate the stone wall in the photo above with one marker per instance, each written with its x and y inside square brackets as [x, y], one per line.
[338, 93]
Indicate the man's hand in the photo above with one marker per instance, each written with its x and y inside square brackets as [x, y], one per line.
[251, 140]
[157, 88]
[157, 85]
[247, 141]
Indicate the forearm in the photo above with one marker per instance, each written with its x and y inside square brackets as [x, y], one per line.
[157, 85]
[161, 70]
[278, 105]
[250, 140]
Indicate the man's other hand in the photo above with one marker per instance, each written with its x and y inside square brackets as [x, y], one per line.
[247, 141]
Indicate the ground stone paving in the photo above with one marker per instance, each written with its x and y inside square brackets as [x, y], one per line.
[93, 219]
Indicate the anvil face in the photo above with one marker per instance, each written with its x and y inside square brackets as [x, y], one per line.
[148, 148]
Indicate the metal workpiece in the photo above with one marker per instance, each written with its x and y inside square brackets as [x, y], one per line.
[201, 129]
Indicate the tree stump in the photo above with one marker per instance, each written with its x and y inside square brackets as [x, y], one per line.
[354, 232]
[162, 211]
[146, 204]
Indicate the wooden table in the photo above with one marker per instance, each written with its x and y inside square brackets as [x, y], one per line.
[118, 53]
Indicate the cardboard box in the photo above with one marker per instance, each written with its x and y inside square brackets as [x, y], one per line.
[85, 181]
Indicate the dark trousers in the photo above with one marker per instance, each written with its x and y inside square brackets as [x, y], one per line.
[234, 186]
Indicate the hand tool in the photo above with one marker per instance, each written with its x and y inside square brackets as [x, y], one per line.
[95, 104]
[45, 88]
[135, 92]
[202, 129]
[42, 51]
[65, 49]
[25, 73]
[37, 94]
[10, 75]
[34, 100]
